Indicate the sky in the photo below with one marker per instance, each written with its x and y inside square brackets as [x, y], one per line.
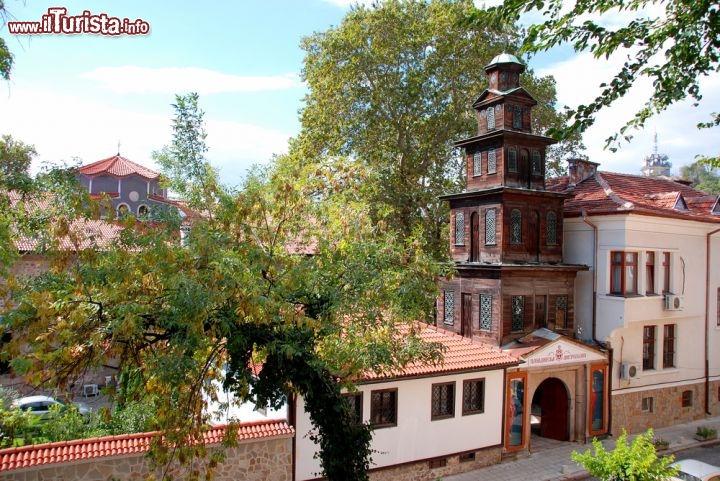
[80, 96]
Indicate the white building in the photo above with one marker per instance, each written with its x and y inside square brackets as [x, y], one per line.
[430, 420]
[652, 294]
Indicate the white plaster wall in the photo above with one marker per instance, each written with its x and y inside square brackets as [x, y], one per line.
[416, 436]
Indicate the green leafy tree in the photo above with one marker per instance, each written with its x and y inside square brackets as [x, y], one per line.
[637, 461]
[6, 58]
[182, 318]
[675, 49]
[702, 176]
[391, 87]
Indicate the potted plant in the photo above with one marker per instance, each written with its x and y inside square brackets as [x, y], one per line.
[705, 433]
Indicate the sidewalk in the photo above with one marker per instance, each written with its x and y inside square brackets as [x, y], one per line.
[554, 464]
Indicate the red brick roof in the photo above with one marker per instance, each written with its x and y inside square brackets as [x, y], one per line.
[119, 167]
[611, 193]
[80, 449]
[461, 354]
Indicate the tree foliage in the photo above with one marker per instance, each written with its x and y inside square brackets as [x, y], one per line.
[675, 49]
[182, 318]
[6, 58]
[636, 461]
[702, 176]
[392, 87]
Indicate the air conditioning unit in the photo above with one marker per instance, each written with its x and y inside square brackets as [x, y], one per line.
[674, 302]
[629, 370]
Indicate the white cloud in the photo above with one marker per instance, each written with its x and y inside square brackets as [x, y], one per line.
[133, 79]
[63, 126]
[578, 79]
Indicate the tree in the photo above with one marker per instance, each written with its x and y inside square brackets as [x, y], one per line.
[392, 88]
[702, 177]
[15, 160]
[240, 292]
[674, 49]
[6, 58]
[636, 462]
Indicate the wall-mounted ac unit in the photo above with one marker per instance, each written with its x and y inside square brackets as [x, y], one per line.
[674, 302]
[629, 370]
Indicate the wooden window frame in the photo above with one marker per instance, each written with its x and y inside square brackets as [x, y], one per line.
[442, 401]
[356, 406]
[669, 345]
[481, 311]
[648, 352]
[374, 414]
[686, 398]
[448, 314]
[467, 408]
[491, 234]
[460, 230]
[516, 226]
[647, 404]
[623, 264]
[666, 264]
[519, 316]
[650, 273]
[477, 164]
[513, 160]
[551, 228]
[492, 161]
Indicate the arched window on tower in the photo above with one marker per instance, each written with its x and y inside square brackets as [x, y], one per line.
[515, 227]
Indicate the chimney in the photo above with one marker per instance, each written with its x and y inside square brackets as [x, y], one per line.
[581, 169]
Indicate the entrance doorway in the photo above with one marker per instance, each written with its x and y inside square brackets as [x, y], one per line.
[549, 413]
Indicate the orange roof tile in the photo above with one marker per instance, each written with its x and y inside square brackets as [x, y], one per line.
[612, 193]
[461, 354]
[119, 167]
[66, 451]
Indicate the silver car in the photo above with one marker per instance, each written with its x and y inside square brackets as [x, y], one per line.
[40, 405]
[693, 470]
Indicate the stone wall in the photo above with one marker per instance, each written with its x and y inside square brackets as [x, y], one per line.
[254, 460]
[422, 470]
[667, 409]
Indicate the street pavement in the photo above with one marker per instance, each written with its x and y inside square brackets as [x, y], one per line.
[551, 461]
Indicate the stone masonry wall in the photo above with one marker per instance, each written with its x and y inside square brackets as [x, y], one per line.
[421, 471]
[261, 460]
[667, 409]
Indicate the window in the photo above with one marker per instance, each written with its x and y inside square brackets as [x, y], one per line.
[143, 212]
[551, 229]
[648, 347]
[647, 404]
[536, 163]
[512, 159]
[598, 388]
[666, 272]
[437, 463]
[449, 307]
[473, 396]
[459, 228]
[687, 399]
[561, 309]
[492, 162]
[354, 401]
[623, 275]
[490, 118]
[467, 457]
[477, 164]
[490, 227]
[517, 117]
[443, 400]
[485, 312]
[517, 304]
[515, 227]
[649, 273]
[122, 211]
[668, 346]
[383, 408]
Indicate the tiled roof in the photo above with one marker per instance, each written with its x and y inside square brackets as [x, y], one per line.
[80, 449]
[461, 354]
[119, 167]
[612, 193]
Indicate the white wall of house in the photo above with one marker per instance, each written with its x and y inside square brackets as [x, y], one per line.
[620, 320]
[417, 437]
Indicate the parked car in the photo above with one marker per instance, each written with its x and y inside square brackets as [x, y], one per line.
[40, 405]
[694, 470]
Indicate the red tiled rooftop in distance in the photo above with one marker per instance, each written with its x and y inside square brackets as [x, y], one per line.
[609, 193]
[461, 354]
[119, 167]
[66, 451]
